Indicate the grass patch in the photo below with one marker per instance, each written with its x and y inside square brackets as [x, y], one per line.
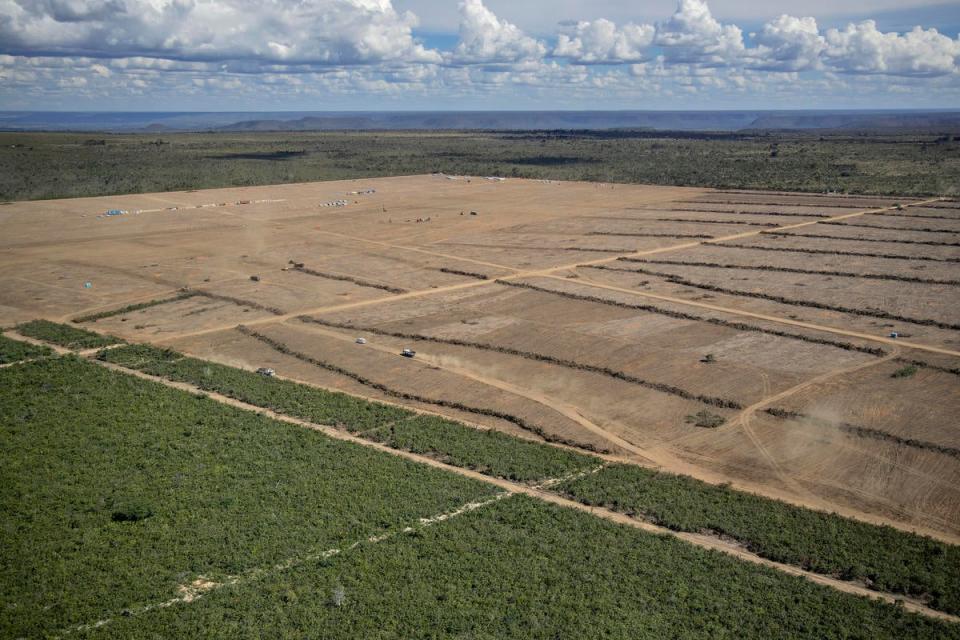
[16, 350]
[492, 453]
[115, 491]
[65, 335]
[885, 558]
[522, 569]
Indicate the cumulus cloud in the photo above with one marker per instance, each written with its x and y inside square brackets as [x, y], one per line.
[788, 44]
[336, 50]
[308, 31]
[693, 35]
[862, 48]
[602, 41]
[485, 38]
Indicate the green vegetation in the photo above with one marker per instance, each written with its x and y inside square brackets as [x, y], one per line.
[887, 559]
[905, 372]
[65, 335]
[17, 350]
[60, 165]
[522, 569]
[93, 317]
[115, 491]
[490, 452]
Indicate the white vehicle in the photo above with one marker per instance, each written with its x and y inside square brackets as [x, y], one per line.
[361, 341]
[264, 371]
[408, 353]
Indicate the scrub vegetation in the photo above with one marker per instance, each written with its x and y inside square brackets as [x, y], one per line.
[60, 165]
[487, 451]
[884, 558]
[64, 335]
[519, 568]
[17, 350]
[116, 491]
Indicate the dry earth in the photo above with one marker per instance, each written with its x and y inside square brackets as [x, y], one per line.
[524, 306]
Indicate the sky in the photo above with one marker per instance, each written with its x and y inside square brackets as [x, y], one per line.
[273, 55]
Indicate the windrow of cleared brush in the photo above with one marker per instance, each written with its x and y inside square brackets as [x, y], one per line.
[64, 335]
[520, 422]
[741, 222]
[350, 279]
[786, 214]
[521, 247]
[914, 215]
[869, 313]
[884, 558]
[17, 350]
[680, 315]
[865, 432]
[816, 272]
[831, 205]
[724, 403]
[466, 274]
[946, 204]
[829, 252]
[888, 228]
[250, 304]
[487, 451]
[701, 236]
[927, 243]
[93, 317]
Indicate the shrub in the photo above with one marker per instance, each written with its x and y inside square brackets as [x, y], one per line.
[905, 372]
[705, 419]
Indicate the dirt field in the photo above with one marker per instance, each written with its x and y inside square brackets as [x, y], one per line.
[586, 310]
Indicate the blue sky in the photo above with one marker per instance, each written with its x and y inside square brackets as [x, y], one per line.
[267, 55]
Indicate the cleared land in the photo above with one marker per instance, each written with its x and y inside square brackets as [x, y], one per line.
[606, 317]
